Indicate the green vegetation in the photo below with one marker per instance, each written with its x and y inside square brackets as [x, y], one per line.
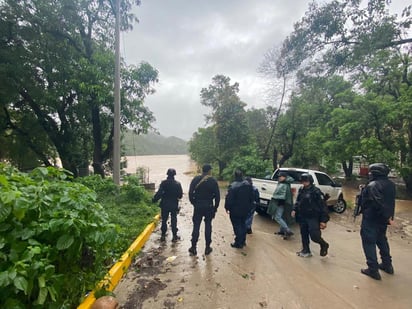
[59, 237]
[56, 90]
[152, 144]
[346, 92]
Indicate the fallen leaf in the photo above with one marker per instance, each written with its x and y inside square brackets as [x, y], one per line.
[171, 258]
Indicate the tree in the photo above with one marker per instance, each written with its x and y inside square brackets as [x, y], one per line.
[59, 72]
[227, 116]
[259, 124]
[372, 50]
[202, 146]
[325, 36]
[276, 71]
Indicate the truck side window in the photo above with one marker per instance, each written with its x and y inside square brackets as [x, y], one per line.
[296, 177]
[324, 180]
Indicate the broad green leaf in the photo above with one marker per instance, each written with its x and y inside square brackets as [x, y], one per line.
[52, 292]
[26, 233]
[4, 226]
[10, 196]
[64, 242]
[42, 296]
[21, 284]
[4, 212]
[42, 281]
[4, 279]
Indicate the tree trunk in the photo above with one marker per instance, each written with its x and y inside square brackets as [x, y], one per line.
[408, 183]
[68, 165]
[272, 133]
[348, 169]
[222, 166]
[97, 140]
[284, 158]
[275, 158]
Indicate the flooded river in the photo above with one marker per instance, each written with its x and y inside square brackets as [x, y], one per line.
[156, 167]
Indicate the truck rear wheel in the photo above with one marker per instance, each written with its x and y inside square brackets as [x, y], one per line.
[340, 206]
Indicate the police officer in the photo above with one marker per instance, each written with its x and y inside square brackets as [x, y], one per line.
[378, 208]
[169, 192]
[238, 203]
[311, 214]
[205, 197]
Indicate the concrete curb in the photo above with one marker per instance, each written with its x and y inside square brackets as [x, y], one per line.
[117, 271]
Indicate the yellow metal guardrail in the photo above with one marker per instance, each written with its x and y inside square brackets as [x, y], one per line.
[117, 271]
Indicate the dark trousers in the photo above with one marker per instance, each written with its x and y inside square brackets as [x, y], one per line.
[309, 227]
[374, 235]
[173, 218]
[239, 228]
[198, 214]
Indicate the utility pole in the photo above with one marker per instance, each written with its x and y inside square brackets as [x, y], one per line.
[116, 142]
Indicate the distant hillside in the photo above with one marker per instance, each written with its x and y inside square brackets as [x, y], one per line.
[152, 144]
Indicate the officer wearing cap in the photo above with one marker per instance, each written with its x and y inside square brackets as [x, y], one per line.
[378, 208]
[169, 192]
[205, 197]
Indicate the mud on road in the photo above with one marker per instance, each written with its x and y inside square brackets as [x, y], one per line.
[266, 273]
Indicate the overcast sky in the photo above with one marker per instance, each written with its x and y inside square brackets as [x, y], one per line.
[190, 41]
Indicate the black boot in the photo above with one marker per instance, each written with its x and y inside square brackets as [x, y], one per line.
[371, 273]
[387, 268]
[208, 250]
[175, 238]
[324, 249]
[192, 251]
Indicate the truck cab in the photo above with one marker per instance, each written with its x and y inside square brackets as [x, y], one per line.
[323, 181]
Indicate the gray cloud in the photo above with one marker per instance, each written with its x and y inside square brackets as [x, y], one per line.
[190, 41]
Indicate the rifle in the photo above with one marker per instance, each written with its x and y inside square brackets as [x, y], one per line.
[358, 203]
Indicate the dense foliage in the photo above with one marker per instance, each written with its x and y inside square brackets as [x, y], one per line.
[345, 80]
[57, 241]
[56, 83]
[249, 162]
[228, 117]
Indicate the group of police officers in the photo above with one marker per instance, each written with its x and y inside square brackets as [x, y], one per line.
[377, 207]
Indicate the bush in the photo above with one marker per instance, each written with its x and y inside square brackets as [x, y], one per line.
[104, 187]
[249, 162]
[129, 208]
[54, 239]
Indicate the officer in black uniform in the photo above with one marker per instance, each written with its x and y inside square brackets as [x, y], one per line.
[311, 213]
[238, 203]
[205, 197]
[378, 208]
[169, 192]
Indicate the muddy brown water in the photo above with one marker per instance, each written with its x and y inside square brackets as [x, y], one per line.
[266, 273]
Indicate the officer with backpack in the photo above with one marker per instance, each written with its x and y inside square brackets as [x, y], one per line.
[312, 215]
[238, 203]
[169, 192]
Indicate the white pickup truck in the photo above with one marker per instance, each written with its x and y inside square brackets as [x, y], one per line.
[323, 181]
